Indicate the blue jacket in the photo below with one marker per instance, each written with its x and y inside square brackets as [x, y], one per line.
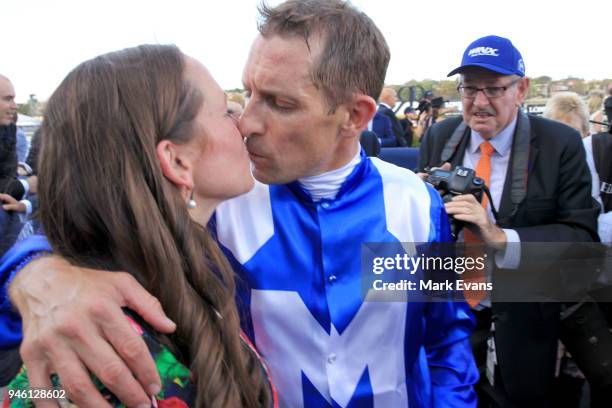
[381, 125]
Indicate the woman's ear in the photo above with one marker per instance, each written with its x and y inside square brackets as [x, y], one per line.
[175, 164]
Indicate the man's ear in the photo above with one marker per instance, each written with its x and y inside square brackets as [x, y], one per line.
[360, 112]
[523, 89]
[175, 164]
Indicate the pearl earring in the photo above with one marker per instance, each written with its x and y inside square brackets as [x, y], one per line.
[191, 204]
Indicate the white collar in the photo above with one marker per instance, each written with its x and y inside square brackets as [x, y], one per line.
[501, 142]
[327, 185]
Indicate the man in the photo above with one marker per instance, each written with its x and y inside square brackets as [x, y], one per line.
[9, 184]
[381, 126]
[540, 185]
[608, 106]
[387, 100]
[311, 77]
[13, 190]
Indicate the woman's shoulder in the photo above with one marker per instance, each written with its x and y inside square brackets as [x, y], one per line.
[177, 391]
[177, 385]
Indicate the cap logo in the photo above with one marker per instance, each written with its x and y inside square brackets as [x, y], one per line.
[521, 65]
[478, 51]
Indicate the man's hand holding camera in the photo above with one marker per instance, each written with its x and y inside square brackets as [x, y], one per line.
[461, 192]
[466, 208]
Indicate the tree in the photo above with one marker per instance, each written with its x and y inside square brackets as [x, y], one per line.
[24, 109]
[542, 79]
[448, 90]
[576, 85]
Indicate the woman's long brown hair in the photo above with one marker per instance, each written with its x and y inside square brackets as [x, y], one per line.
[104, 199]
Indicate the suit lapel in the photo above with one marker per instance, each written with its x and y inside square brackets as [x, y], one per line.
[454, 149]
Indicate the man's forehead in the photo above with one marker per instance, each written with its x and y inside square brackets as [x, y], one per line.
[277, 49]
[275, 62]
[6, 87]
[482, 75]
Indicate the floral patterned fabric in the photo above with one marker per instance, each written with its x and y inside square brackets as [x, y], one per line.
[178, 389]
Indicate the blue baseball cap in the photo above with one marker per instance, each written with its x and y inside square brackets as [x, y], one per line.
[494, 53]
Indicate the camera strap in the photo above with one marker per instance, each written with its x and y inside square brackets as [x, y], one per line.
[453, 142]
[520, 161]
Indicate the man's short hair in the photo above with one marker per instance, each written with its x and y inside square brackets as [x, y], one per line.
[387, 94]
[354, 56]
[566, 103]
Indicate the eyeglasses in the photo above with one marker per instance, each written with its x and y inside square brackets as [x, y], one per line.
[470, 92]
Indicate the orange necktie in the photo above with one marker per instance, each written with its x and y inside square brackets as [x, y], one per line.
[475, 246]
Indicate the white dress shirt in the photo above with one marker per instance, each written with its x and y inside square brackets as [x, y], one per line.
[502, 143]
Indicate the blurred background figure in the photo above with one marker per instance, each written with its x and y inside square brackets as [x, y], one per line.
[569, 108]
[235, 105]
[234, 109]
[383, 128]
[423, 119]
[23, 145]
[18, 184]
[595, 104]
[408, 123]
[608, 104]
[9, 184]
[386, 103]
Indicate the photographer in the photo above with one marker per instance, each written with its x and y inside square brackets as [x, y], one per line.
[9, 183]
[608, 105]
[536, 172]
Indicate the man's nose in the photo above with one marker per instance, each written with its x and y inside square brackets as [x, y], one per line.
[481, 99]
[251, 120]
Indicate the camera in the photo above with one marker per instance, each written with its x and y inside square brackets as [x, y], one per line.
[461, 180]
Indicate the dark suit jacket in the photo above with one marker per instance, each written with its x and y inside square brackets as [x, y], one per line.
[557, 207]
[32, 159]
[381, 125]
[408, 134]
[9, 184]
[608, 108]
[370, 143]
[396, 126]
[10, 225]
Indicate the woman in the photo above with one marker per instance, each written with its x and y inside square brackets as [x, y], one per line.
[135, 157]
[570, 109]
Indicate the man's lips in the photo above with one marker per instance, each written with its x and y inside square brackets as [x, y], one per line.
[483, 114]
[255, 156]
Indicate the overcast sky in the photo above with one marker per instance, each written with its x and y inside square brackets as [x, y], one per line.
[45, 39]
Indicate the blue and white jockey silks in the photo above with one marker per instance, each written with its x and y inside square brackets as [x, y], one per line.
[298, 263]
